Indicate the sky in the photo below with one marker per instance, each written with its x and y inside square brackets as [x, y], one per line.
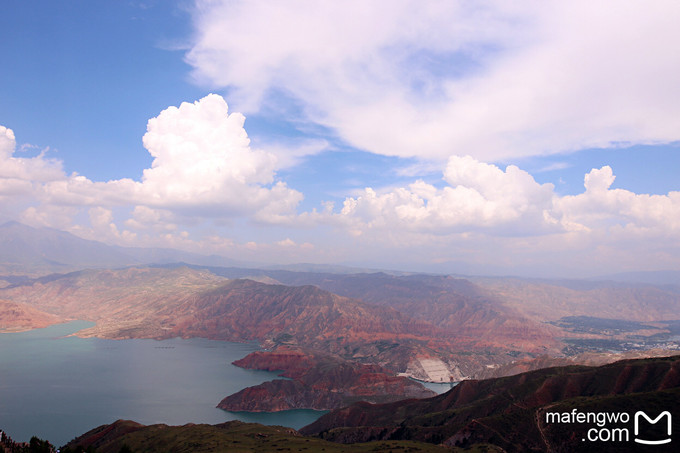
[537, 138]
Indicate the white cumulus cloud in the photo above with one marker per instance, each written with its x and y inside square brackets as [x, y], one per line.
[601, 207]
[202, 157]
[20, 175]
[482, 204]
[477, 196]
[203, 166]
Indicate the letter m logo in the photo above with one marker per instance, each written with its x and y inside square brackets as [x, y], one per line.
[641, 414]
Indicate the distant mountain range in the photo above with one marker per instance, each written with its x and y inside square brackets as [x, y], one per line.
[25, 250]
[430, 327]
[668, 277]
[394, 320]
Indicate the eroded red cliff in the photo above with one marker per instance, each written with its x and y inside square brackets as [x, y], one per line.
[317, 381]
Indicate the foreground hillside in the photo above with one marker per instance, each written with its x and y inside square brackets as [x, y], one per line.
[232, 436]
[512, 412]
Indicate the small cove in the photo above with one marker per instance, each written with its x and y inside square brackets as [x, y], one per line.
[439, 387]
[57, 386]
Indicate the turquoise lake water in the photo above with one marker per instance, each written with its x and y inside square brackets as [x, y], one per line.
[439, 387]
[57, 387]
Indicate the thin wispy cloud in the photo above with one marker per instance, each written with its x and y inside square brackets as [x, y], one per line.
[552, 167]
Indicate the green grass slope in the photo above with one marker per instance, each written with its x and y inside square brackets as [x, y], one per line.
[232, 437]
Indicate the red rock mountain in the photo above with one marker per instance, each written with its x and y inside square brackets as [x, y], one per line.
[510, 412]
[317, 381]
[16, 317]
[432, 327]
[165, 303]
[467, 312]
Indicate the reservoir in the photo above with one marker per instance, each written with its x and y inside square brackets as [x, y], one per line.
[57, 387]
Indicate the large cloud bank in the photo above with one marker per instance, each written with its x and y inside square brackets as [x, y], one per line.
[492, 79]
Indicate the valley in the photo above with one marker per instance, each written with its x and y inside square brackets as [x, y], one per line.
[343, 337]
[431, 328]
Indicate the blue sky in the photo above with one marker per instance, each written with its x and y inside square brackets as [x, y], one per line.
[436, 137]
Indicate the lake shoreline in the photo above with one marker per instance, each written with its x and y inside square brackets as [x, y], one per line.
[56, 385]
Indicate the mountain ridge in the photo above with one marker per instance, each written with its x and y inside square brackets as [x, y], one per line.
[473, 411]
[26, 250]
